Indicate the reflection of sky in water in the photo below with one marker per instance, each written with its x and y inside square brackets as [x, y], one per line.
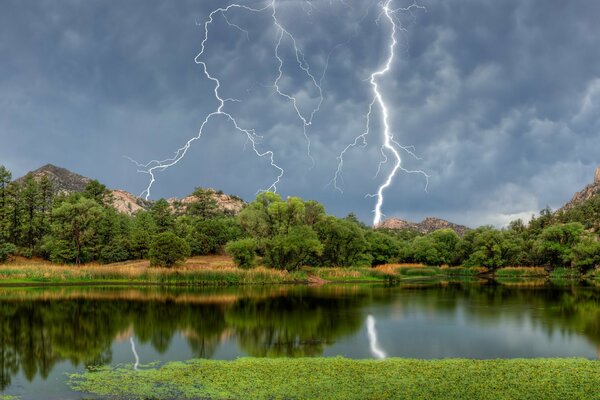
[409, 323]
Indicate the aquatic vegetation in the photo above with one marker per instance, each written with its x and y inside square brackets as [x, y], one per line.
[341, 378]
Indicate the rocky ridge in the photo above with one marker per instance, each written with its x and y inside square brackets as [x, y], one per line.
[66, 182]
[587, 193]
[426, 226]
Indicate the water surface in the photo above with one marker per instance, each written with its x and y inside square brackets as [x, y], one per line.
[46, 333]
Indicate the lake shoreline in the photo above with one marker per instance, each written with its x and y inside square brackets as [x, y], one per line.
[221, 271]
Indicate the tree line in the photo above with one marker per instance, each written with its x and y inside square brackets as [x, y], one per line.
[286, 234]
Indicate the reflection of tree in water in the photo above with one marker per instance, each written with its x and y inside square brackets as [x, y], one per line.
[292, 325]
[289, 321]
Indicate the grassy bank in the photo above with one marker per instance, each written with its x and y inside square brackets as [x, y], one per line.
[340, 378]
[521, 272]
[210, 270]
[221, 271]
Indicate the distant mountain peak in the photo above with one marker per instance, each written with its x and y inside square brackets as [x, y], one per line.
[63, 180]
[426, 226]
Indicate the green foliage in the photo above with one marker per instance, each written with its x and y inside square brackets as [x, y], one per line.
[343, 242]
[96, 191]
[521, 272]
[204, 205]
[492, 249]
[557, 242]
[163, 218]
[437, 248]
[383, 247]
[167, 250]
[211, 235]
[242, 251]
[75, 230]
[340, 378]
[7, 250]
[586, 253]
[293, 249]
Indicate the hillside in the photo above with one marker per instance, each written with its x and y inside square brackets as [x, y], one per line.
[63, 180]
[66, 182]
[586, 194]
[426, 226]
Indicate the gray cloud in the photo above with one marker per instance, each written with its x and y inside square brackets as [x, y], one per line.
[500, 99]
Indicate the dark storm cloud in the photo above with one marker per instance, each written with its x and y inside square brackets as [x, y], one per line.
[500, 99]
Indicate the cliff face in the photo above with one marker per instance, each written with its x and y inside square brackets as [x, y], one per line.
[587, 193]
[426, 226]
[66, 182]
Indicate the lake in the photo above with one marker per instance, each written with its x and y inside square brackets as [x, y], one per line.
[46, 333]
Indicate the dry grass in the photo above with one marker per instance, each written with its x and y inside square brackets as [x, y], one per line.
[208, 270]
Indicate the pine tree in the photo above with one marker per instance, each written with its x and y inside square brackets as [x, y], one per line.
[5, 178]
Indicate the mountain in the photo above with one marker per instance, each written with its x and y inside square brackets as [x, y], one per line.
[63, 180]
[426, 226]
[587, 193]
[66, 182]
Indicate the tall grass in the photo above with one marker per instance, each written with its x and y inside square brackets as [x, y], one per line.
[521, 272]
[196, 271]
[565, 273]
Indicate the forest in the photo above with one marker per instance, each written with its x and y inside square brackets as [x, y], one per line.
[81, 228]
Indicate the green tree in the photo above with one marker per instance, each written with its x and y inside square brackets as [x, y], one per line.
[242, 251]
[204, 206]
[46, 198]
[14, 209]
[31, 203]
[343, 241]
[556, 243]
[437, 248]
[586, 253]
[292, 250]
[210, 236]
[167, 250]
[143, 228]
[98, 192]
[162, 216]
[6, 250]
[493, 249]
[383, 247]
[5, 179]
[74, 230]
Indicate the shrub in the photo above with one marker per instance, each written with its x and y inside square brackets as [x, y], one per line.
[242, 251]
[167, 250]
[6, 251]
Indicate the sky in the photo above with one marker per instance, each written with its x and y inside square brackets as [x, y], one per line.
[500, 99]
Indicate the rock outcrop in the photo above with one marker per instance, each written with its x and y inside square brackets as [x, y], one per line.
[66, 182]
[127, 203]
[587, 193]
[426, 226]
[229, 204]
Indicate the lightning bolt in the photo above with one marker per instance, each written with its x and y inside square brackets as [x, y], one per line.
[389, 143]
[135, 354]
[376, 350]
[154, 166]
